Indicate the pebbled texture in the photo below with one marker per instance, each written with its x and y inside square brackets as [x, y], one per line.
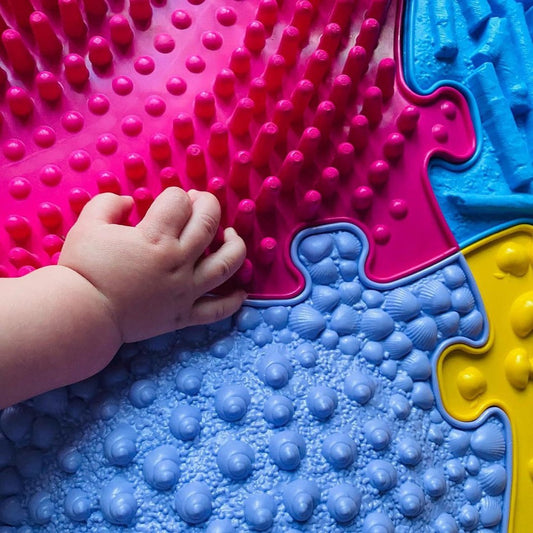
[287, 418]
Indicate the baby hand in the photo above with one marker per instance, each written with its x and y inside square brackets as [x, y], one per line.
[154, 276]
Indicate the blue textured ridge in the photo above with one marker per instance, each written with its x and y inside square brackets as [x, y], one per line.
[485, 49]
[318, 414]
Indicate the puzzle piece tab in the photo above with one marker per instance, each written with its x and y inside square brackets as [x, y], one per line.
[316, 415]
[497, 372]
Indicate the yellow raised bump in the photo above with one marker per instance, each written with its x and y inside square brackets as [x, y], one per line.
[517, 368]
[513, 258]
[522, 314]
[471, 383]
[506, 289]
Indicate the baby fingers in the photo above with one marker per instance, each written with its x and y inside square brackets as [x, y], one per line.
[219, 266]
[209, 309]
[202, 225]
[168, 214]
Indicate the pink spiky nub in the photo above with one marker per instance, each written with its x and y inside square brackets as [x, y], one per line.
[291, 113]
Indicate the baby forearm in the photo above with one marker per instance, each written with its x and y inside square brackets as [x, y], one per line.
[56, 329]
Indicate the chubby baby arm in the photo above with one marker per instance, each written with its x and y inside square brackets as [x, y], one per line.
[113, 284]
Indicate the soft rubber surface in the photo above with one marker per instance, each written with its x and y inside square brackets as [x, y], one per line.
[329, 411]
[320, 415]
[292, 115]
[490, 53]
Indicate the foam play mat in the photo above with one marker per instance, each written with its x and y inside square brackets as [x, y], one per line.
[375, 157]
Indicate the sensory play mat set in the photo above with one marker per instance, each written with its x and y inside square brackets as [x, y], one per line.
[374, 155]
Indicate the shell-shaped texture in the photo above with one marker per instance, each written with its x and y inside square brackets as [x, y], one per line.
[248, 318]
[41, 508]
[454, 276]
[259, 511]
[348, 269]
[382, 475]
[417, 365]
[376, 324]
[321, 402]
[194, 503]
[473, 465]
[348, 245]
[16, 422]
[448, 323]
[377, 522]
[235, 459]
[189, 381]
[402, 304]
[423, 332]
[345, 320]
[468, 517]
[69, 459]
[278, 410]
[77, 505]
[490, 511]
[389, 369]
[471, 325]
[472, 490]
[372, 298]
[287, 449]
[455, 470]
[350, 292]
[435, 297]
[373, 352]
[223, 347]
[262, 335]
[488, 442]
[185, 421]
[117, 502]
[53, 402]
[306, 321]
[458, 442]
[142, 393]
[276, 316]
[300, 499]
[344, 503]
[397, 344]
[120, 446]
[306, 355]
[409, 451]
[231, 402]
[422, 395]
[463, 300]
[339, 450]
[445, 523]
[377, 433]
[411, 500]
[316, 247]
[274, 369]
[325, 298]
[12, 512]
[161, 468]
[434, 482]
[324, 272]
[400, 406]
[359, 387]
[493, 479]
